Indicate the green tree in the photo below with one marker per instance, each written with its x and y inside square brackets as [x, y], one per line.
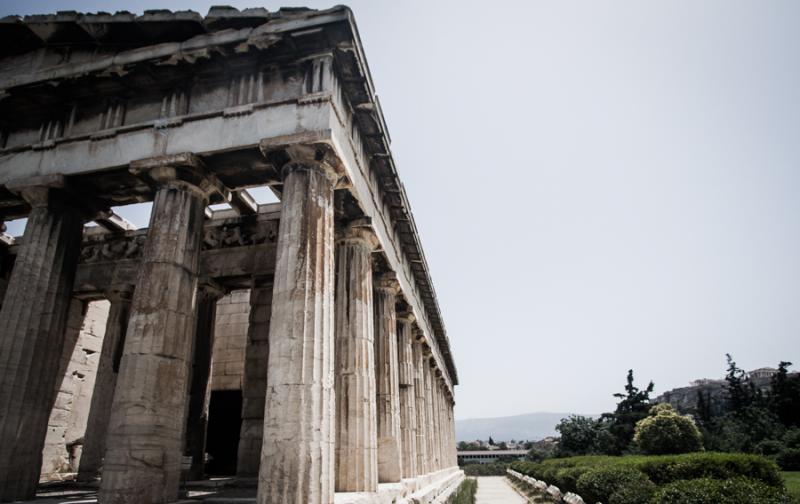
[703, 407]
[784, 397]
[665, 432]
[578, 434]
[633, 406]
[738, 394]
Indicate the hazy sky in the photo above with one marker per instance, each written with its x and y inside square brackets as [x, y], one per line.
[598, 185]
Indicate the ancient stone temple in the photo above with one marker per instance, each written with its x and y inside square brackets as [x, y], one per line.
[296, 347]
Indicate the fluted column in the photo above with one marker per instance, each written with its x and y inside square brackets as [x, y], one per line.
[33, 319]
[453, 454]
[297, 455]
[408, 409]
[423, 462]
[254, 383]
[437, 418]
[145, 438]
[199, 393]
[94, 441]
[429, 413]
[390, 463]
[356, 420]
[442, 423]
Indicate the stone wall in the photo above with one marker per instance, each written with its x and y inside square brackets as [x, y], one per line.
[230, 337]
[67, 424]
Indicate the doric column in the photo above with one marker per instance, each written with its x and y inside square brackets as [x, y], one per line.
[390, 463]
[254, 384]
[297, 456]
[208, 293]
[32, 324]
[452, 448]
[445, 425]
[442, 429]
[408, 410]
[429, 412]
[423, 465]
[356, 421]
[437, 418]
[145, 437]
[94, 441]
[442, 423]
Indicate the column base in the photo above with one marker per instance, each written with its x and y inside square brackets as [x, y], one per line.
[432, 488]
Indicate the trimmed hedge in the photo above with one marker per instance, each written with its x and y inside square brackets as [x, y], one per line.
[465, 494]
[492, 469]
[714, 491]
[635, 479]
[601, 483]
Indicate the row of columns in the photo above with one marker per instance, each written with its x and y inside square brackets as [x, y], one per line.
[392, 408]
[349, 392]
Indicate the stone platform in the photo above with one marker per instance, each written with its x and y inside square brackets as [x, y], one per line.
[433, 488]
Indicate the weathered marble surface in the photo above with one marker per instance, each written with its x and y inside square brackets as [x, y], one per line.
[32, 319]
[356, 416]
[297, 458]
[145, 438]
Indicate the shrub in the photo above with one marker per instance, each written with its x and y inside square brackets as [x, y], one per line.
[792, 438]
[660, 470]
[493, 469]
[465, 493]
[789, 459]
[634, 492]
[600, 483]
[568, 477]
[769, 447]
[666, 469]
[711, 491]
[665, 432]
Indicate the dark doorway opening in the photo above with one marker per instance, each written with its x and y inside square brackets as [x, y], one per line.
[222, 438]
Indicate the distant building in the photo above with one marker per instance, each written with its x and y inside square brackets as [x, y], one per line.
[487, 457]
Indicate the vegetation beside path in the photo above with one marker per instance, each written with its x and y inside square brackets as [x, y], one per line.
[695, 478]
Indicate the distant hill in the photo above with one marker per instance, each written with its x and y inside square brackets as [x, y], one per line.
[532, 426]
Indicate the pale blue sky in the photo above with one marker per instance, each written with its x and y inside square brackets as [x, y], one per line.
[597, 185]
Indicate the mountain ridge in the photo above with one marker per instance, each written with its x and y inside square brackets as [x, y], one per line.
[526, 426]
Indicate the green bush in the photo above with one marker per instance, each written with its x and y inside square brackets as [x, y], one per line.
[465, 493]
[493, 469]
[665, 432]
[769, 447]
[567, 477]
[637, 476]
[633, 492]
[789, 459]
[666, 469]
[600, 483]
[712, 491]
[792, 438]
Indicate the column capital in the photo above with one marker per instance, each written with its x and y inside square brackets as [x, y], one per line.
[293, 154]
[406, 316]
[185, 170]
[426, 352]
[387, 282]
[419, 335]
[210, 288]
[359, 230]
[119, 292]
[36, 191]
